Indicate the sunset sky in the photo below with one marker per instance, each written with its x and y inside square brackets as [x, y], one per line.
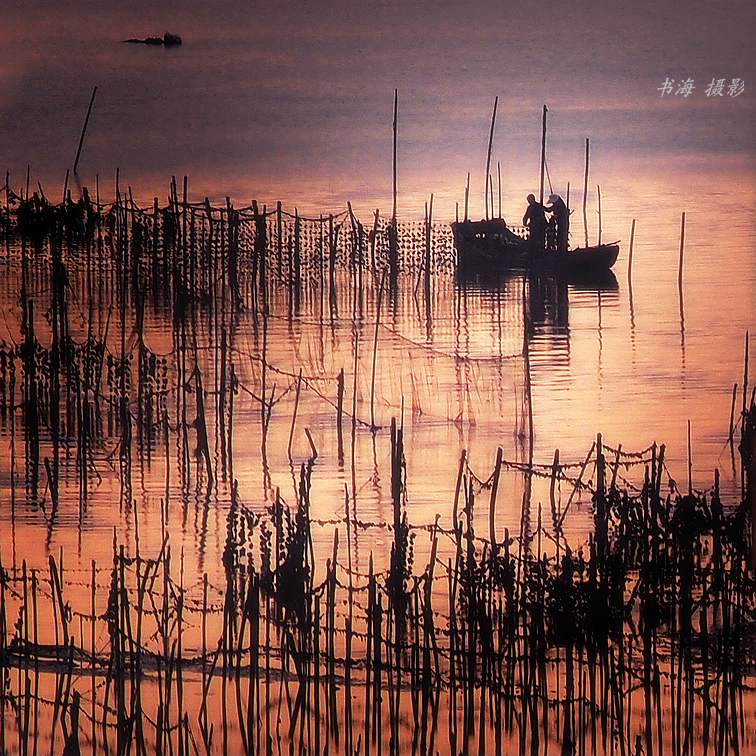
[293, 100]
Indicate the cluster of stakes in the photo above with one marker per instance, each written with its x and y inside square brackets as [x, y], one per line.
[636, 641]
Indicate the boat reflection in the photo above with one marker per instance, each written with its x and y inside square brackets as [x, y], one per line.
[540, 305]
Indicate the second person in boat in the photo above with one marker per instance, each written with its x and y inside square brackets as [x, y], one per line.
[560, 215]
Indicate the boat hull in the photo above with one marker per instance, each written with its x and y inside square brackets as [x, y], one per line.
[485, 246]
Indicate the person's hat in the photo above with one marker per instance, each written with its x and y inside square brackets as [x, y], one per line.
[553, 198]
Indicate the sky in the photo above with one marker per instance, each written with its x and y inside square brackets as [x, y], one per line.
[293, 100]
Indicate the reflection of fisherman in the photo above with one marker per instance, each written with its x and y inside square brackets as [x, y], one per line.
[535, 221]
[560, 216]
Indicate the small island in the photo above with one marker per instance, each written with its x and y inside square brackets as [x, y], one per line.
[167, 40]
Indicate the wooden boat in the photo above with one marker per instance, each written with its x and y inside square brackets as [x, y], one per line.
[492, 245]
[488, 245]
[592, 259]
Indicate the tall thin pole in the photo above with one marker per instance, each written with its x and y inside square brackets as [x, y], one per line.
[682, 252]
[373, 426]
[598, 192]
[690, 463]
[745, 376]
[543, 151]
[488, 158]
[396, 116]
[630, 258]
[84, 130]
[498, 171]
[585, 191]
[467, 196]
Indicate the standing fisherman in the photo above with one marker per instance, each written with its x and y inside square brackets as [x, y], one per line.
[535, 221]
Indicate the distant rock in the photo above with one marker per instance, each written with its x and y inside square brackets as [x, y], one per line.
[167, 40]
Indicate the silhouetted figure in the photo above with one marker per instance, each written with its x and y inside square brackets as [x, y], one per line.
[560, 217]
[535, 221]
[73, 217]
[91, 213]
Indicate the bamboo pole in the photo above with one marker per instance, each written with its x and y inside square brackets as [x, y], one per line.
[543, 152]
[375, 353]
[682, 252]
[488, 156]
[498, 183]
[394, 162]
[598, 194]
[492, 504]
[552, 493]
[731, 432]
[630, 254]
[427, 261]
[467, 197]
[339, 416]
[745, 377]
[373, 239]
[577, 485]
[294, 414]
[585, 191]
[690, 463]
[84, 131]
[458, 487]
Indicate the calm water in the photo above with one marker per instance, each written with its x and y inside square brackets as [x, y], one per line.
[457, 375]
[634, 369]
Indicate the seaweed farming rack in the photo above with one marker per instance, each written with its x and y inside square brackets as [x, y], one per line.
[637, 640]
